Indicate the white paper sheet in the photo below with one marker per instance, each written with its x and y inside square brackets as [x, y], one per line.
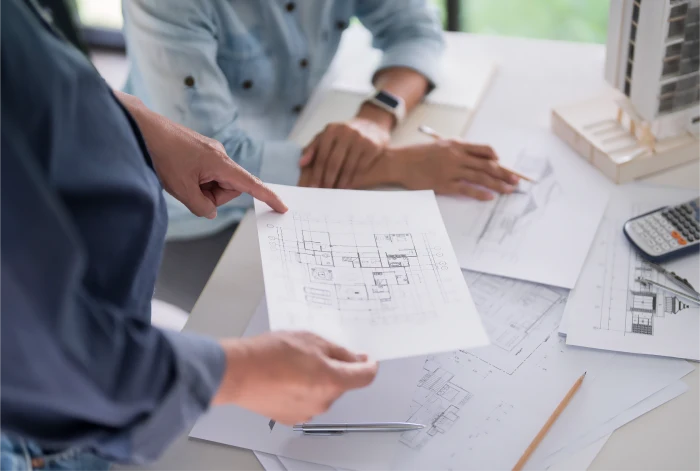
[582, 459]
[604, 430]
[460, 80]
[386, 400]
[485, 405]
[271, 462]
[610, 310]
[578, 454]
[543, 231]
[373, 271]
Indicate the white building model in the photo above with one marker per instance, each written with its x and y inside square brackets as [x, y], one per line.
[650, 121]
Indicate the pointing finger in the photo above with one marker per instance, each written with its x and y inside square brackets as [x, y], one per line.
[238, 179]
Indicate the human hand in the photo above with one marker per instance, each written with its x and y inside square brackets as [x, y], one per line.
[290, 376]
[194, 168]
[341, 149]
[452, 167]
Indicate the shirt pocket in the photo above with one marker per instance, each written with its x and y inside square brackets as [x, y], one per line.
[251, 76]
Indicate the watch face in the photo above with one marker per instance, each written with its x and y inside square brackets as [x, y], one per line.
[387, 99]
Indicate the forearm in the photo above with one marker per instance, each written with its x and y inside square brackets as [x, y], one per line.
[403, 82]
[386, 170]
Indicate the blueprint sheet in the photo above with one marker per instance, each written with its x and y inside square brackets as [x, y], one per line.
[386, 400]
[541, 232]
[482, 407]
[373, 271]
[609, 309]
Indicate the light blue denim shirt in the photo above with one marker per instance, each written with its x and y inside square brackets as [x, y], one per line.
[240, 71]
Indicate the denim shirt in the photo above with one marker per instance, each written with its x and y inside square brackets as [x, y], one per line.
[240, 71]
[83, 222]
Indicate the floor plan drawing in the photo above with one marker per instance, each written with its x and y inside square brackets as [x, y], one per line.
[384, 275]
[361, 267]
[436, 404]
[611, 309]
[518, 316]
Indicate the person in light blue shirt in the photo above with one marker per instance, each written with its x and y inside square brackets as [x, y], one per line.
[241, 72]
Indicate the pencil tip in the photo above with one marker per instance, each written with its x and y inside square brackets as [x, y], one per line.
[584, 373]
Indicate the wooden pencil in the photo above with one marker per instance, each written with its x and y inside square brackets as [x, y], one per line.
[553, 418]
[427, 130]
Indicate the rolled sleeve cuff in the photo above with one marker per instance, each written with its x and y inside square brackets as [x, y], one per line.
[280, 163]
[422, 56]
[200, 368]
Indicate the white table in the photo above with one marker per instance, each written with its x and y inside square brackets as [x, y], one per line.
[533, 76]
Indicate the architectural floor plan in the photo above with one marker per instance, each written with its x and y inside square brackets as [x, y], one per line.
[372, 275]
[361, 267]
[610, 309]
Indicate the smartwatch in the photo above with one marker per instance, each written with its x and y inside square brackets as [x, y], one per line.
[389, 103]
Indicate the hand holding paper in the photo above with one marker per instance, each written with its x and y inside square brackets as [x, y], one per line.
[290, 376]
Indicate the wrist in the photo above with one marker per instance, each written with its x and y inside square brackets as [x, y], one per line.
[233, 380]
[378, 116]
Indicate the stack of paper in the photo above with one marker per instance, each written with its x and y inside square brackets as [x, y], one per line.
[354, 266]
[379, 272]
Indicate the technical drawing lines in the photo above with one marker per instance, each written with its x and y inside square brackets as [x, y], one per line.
[512, 214]
[339, 265]
[436, 403]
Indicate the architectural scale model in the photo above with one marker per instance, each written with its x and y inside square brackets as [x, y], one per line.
[649, 120]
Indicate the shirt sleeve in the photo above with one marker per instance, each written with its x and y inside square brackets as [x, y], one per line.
[407, 31]
[175, 51]
[78, 370]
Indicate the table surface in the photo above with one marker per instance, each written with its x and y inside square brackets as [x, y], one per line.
[533, 76]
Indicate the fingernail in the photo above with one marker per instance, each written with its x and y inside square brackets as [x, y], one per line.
[514, 179]
[212, 215]
[362, 357]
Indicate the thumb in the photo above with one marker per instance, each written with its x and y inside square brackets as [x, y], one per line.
[355, 375]
[201, 202]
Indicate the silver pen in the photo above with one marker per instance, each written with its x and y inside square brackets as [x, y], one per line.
[680, 294]
[340, 429]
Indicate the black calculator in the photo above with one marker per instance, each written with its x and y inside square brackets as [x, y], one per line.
[666, 232]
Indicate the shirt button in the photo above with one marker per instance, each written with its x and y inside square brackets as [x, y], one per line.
[248, 84]
[341, 25]
[290, 6]
[297, 109]
[189, 81]
[303, 63]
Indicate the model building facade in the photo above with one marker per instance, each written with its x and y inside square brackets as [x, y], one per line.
[653, 57]
[648, 120]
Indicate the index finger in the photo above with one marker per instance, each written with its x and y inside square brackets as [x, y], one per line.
[479, 150]
[243, 181]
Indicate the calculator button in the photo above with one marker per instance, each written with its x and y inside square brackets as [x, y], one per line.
[659, 239]
[673, 244]
[665, 246]
[656, 249]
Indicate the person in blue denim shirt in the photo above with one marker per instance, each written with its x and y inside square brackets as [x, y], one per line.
[241, 72]
[86, 379]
